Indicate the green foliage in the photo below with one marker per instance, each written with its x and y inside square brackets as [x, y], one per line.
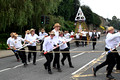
[88, 14]
[96, 20]
[68, 9]
[115, 22]
[69, 26]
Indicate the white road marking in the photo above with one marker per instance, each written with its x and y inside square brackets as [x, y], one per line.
[103, 53]
[40, 59]
[78, 55]
[19, 65]
[83, 67]
[73, 49]
[5, 70]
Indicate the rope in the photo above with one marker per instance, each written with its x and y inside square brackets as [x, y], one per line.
[89, 41]
[70, 51]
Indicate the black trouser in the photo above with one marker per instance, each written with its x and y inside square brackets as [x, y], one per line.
[49, 58]
[110, 61]
[117, 58]
[68, 44]
[94, 42]
[77, 42]
[32, 48]
[17, 56]
[84, 42]
[117, 61]
[41, 45]
[66, 55]
[98, 36]
[22, 55]
[56, 59]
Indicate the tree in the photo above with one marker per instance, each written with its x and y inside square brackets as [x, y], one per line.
[96, 20]
[68, 9]
[88, 14]
[115, 22]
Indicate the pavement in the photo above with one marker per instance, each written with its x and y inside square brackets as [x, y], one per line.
[83, 62]
[6, 53]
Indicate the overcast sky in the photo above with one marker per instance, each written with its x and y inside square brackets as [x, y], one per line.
[105, 8]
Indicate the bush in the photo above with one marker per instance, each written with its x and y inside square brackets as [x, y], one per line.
[3, 40]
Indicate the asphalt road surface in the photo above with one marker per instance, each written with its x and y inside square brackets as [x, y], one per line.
[83, 61]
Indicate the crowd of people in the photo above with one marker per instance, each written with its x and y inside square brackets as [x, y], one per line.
[59, 42]
[85, 36]
[55, 41]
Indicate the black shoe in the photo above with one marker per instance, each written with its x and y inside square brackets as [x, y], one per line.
[110, 77]
[62, 63]
[45, 67]
[71, 66]
[59, 70]
[49, 72]
[25, 64]
[94, 71]
[34, 64]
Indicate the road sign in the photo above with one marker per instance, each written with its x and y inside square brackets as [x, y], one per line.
[80, 16]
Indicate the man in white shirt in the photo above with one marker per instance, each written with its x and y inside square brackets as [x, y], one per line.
[67, 36]
[90, 34]
[111, 58]
[27, 35]
[77, 37]
[48, 46]
[99, 34]
[72, 33]
[64, 48]
[17, 44]
[84, 37]
[56, 55]
[94, 38]
[32, 47]
[9, 43]
[42, 35]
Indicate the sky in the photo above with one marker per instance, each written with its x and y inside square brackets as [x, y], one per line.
[104, 8]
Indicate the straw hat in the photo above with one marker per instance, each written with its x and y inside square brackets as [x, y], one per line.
[52, 33]
[32, 30]
[110, 28]
[28, 31]
[11, 34]
[16, 35]
[56, 25]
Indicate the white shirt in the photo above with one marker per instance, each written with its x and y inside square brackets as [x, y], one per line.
[33, 39]
[77, 35]
[9, 41]
[95, 33]
[48, 44]
[84, 33]
[26, 36]
[61, 39]
[72, 33]
[67, 36]
[56, 36]
[90, 34]
[42, 35]
[17, 43]
[112, 40]
[99, 33]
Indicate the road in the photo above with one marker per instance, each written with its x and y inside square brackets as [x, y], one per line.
[82, 61]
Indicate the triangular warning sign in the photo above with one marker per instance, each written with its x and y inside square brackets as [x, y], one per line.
[80, 16]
